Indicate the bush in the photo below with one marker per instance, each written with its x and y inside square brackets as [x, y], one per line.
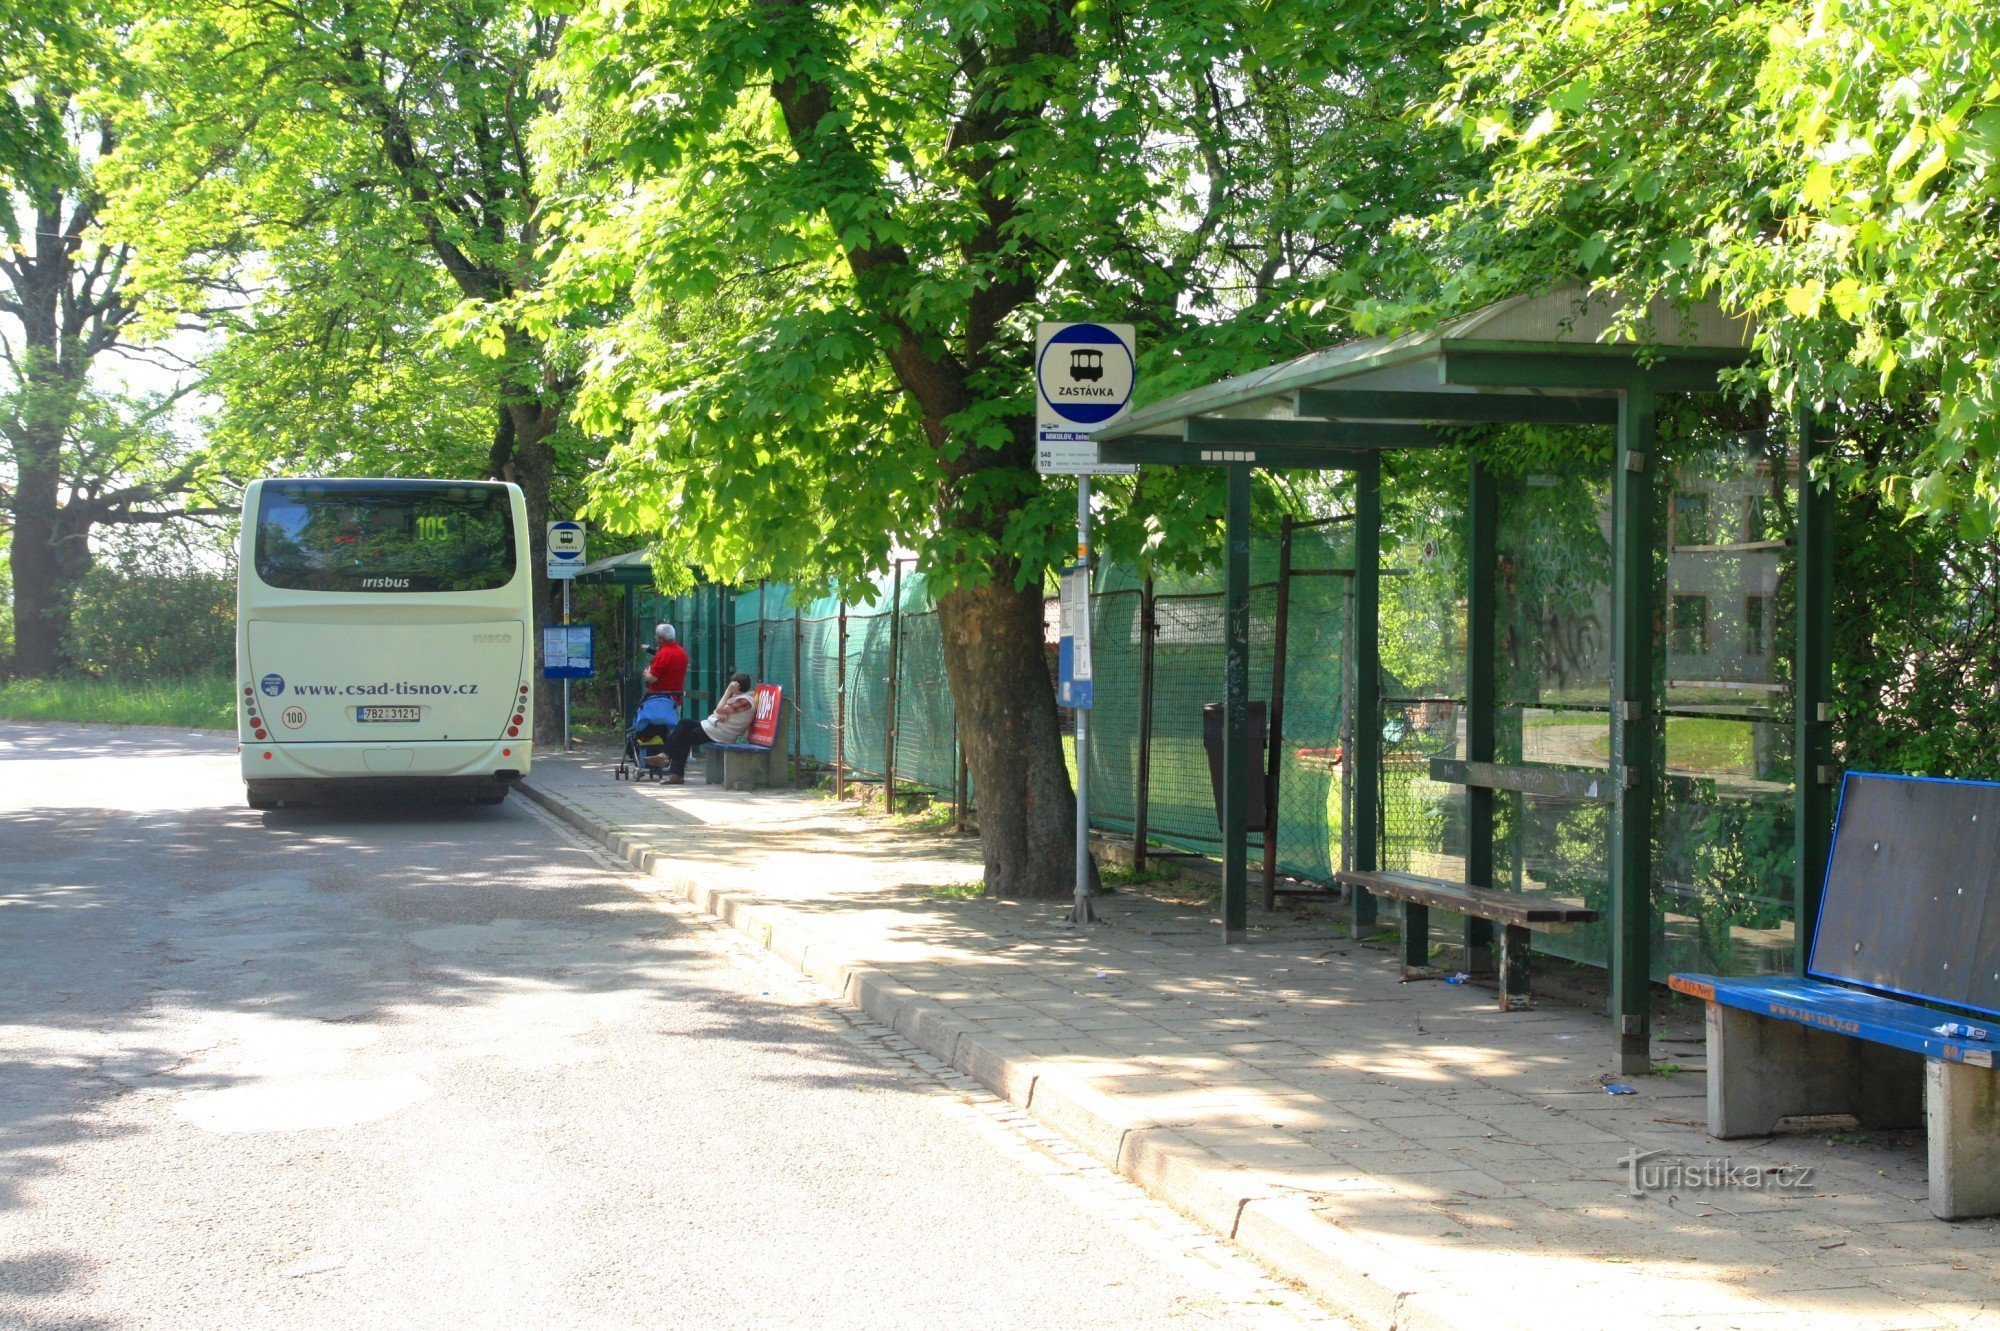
[155, 624]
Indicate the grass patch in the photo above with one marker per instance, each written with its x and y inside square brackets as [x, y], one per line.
[203, 701]
[928, 816]
[954, 891]
[1113, 875]
[1668, 1069]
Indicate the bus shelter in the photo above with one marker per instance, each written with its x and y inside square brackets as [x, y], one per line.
[701, 616]
[1563, 358]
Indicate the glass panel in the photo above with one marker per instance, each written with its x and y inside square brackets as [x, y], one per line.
[385, 536]
[1723, 855]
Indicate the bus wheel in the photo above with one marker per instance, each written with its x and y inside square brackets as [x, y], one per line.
[497, 797]
[257, 797]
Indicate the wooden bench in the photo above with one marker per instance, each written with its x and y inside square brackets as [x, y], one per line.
[1516, 913]
[759, 760]
[1907, 941]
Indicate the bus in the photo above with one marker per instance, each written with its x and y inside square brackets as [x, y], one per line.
[383, 639]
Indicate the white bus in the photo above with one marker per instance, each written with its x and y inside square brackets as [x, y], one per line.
[383, 639]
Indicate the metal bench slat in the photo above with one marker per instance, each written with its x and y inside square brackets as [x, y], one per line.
[1843, 1011]
[1484, 902]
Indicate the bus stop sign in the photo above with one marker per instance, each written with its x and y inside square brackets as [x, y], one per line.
[1083, 378]
[565, 547]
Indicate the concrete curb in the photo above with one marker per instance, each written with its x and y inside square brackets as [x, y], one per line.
[1269, 1221]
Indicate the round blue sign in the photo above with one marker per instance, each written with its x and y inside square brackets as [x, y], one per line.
[1085, 374]
[273, 685]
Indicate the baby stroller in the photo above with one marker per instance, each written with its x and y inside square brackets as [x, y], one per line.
[646, 742]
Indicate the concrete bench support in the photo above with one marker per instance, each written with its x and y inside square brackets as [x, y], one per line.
[1515, 943]
[1761, 1069]
[1962, 1104]
[736, 769]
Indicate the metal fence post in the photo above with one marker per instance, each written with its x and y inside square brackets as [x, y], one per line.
[840, 706]
[798, 686]
[889, 707]
[1276, 720]
[1149, 630]
[763, 621]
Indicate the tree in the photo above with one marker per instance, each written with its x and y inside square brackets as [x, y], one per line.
[73, 455]
[838, 226]
[1832, 169]
[376, 157]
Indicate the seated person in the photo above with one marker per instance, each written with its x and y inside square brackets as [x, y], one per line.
[727, 724]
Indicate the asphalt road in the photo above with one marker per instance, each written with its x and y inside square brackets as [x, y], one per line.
[416, 1067]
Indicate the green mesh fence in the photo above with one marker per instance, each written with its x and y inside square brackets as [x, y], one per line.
[1166, 639]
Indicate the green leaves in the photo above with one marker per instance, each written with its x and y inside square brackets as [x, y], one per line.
[1827, 167]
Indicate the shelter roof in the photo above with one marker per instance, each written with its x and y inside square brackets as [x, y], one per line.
[1564, 347]
[634, 568]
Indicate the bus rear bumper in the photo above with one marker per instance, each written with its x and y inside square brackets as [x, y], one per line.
[415, 764]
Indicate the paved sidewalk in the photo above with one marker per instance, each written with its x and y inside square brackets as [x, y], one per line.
[1415, 1156]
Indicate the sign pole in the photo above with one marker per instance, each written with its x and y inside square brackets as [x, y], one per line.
[1082, 912]
[1084, 374]
[565, 545]
[565, 682]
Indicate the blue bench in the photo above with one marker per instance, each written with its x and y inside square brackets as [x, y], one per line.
[1907, 942]
[746, 766]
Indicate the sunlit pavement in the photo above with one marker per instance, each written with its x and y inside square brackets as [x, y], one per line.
[1418, 1156]
[411, 1067]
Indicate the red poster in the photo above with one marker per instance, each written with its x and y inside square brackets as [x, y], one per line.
[764, 721]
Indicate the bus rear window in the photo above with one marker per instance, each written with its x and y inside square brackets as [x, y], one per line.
[331, 537]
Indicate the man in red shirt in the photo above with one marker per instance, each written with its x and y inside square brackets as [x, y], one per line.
[668, 672]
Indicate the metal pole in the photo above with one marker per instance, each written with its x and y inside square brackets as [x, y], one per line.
[1812, 690]
[1481, 697]
[889, 711]
[798, 685]
[1236, 708]
[1366, 831]
[840, 706]
[1634, 726]
[565, 583]
[1142, 798]
[1276, 720]
[1082, 912]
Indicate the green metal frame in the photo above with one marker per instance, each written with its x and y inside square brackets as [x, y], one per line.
[1636, 724]
[1366, 769]
[1605, 384]
[1482, 697]
[1812, 692]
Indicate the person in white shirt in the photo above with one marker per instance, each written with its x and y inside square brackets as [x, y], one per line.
[727, 724]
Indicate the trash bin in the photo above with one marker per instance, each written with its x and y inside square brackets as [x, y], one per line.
[1256, 820]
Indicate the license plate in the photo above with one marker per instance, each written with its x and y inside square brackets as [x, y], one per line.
[389, 713]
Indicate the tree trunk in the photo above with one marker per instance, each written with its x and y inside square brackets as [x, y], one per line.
[530, 464]
[1013, 744]
[41, 601]
[48, 556]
